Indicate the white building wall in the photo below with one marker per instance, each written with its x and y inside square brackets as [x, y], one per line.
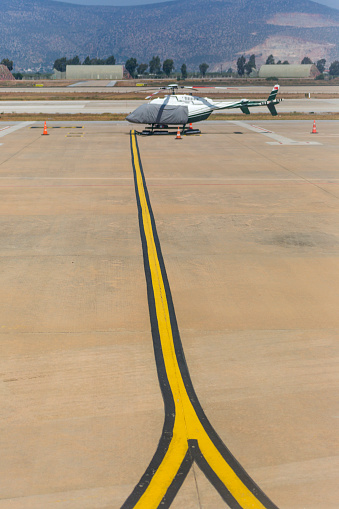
[94, 72]
[288, 71]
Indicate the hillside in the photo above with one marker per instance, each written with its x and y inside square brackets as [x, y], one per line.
[37, 32]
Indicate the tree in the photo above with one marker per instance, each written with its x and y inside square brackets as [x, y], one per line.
[8, 63]
[306, 60]
[286, 62]
[250, 65]
[74, 61]
[183, 71]
[252, 61]
[334, 68]
[279, 62]
[270, 60]
[241, 65]
[321, 65]
[60, 64]
[87, 61]
[17, 75]
[110, 60]
[131, 66]
[142, 68]
[168, 66]
[203, 68]
[155, 65]
[97, 61]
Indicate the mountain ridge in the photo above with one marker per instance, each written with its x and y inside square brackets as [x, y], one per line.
[36, 32]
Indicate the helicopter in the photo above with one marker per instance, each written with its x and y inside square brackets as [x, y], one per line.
[161, 114]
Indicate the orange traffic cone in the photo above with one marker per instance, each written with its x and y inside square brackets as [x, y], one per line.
[178, 136]
[45, 130]
[314, 130]
[191, 127]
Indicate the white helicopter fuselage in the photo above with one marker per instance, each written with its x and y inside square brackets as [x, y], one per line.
[198, 108]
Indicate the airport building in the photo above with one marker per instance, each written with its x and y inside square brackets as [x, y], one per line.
[288, 71]
[91, 72]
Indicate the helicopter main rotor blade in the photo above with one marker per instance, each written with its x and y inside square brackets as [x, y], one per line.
[154, 93]
[221, 88]
[206, 103]
[169, 87]
[191, 88]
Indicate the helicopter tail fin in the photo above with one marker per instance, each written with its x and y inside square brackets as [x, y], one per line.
[273, 94]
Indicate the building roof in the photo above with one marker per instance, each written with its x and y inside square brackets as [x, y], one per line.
[288, 71]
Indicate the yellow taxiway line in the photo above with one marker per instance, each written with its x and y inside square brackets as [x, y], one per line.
[187, 435]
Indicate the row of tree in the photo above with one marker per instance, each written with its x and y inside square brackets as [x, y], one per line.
[320, 64]
[61, 63]
[155, 67]
[246, 67]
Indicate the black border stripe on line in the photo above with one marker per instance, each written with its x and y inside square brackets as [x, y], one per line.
[212, 477]
[167, 432]
[178, 480]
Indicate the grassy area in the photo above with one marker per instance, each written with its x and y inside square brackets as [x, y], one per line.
[231, 82]
[33, 83]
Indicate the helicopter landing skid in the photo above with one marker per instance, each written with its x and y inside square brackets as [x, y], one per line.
[192, 131]
[166, 130]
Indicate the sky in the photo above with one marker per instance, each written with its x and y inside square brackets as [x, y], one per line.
[330, 3]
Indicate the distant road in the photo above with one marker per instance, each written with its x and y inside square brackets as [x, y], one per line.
[92, 107]
[69, 106]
